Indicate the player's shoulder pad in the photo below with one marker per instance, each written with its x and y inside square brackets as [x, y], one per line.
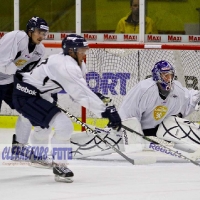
[19, 35]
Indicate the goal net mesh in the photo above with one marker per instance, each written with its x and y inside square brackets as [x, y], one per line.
[113, 72]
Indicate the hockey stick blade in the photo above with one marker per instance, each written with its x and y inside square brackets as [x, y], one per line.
[178, 154]
[132, 161]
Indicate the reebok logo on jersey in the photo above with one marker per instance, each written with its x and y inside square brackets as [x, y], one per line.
[26, 90]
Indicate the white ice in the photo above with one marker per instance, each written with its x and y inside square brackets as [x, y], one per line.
[112, 178]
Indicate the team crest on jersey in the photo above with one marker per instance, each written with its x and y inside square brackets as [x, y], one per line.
[20, 62]
[159, 112]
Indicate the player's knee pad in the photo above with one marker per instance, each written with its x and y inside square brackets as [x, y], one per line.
[132, 141]
[40, 136]
[185, 134]
[63, 128]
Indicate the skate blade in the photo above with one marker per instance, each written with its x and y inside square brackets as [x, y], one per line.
[63, 179]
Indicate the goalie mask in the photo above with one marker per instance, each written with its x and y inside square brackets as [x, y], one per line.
[163, 73]
[73, 41]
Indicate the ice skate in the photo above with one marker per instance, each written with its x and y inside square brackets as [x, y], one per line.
[20, 152]
[62, 173]
[45, 161]
[24, 152]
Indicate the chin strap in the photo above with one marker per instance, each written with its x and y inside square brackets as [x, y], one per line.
[163, 93]
[31, 45]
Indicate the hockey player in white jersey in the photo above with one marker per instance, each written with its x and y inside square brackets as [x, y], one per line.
[32, 97]
[20, 50]
[153, 106]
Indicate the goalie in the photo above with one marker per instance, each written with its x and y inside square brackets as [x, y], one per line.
[154, 106]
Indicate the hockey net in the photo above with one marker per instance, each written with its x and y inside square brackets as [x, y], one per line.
[113, 69]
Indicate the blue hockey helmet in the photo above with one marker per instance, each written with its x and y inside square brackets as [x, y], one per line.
[73, 41]
[163, 67]
[37, 22]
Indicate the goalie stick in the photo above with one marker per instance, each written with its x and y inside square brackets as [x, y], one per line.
[178, 154]
[95, 133]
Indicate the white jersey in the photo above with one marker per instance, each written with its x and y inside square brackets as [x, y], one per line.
[144, 103]
[60, 71]
[14, 54]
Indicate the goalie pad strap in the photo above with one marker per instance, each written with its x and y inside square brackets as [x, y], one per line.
[151, 131]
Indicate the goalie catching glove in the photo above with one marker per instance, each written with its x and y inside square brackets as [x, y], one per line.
[113, 116]
[106, 100]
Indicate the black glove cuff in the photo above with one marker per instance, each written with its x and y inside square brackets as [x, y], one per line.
[104, 114]
[99, 95]
[108, 111]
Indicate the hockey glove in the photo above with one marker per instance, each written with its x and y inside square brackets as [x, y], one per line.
[105, 100]
[113, 116]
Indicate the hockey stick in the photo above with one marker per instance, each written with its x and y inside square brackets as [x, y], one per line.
[95, 133]
[176, 153]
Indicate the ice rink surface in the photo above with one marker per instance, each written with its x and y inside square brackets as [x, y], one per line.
[105, 178]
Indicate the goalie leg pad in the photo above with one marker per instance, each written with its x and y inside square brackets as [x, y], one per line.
[86, 144]
[132, 141]
[185, 134]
